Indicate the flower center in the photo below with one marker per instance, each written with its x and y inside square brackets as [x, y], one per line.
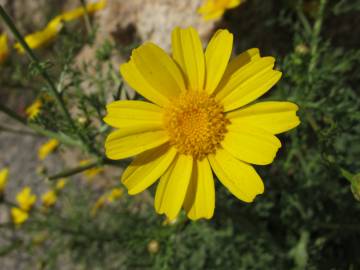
[196, 124]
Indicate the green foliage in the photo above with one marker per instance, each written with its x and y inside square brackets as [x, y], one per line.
[307, 218]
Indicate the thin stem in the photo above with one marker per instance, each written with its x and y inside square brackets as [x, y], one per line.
[38, 129]
[76, 170]
[87, 18]
[17, 131]
[53, 90]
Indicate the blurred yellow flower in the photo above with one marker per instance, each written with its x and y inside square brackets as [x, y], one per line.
[214, 9]
[115, 194]
[106, 198]
[91, 173]
[26, 199]
[201, 119]
[33, 110]
[4, 174]
[47, 148]
[4, 48]
[49, 198]
[60, 184]
[49, 33]
[18, 215]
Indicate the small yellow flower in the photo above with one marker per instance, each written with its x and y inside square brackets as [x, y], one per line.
[4, 48]
[4, 174]
[60, 184]
[47, 148]
[100, 202]
[115, 194]
[18, 215]
[49, 33]
[33, 110]
[214, 9]
[49, 198]
[202, 119]
[91, 173]
[26, 199]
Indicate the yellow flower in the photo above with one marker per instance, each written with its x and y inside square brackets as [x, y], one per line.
[115, 194]
[4, 49]
[60, 184]
[18, 215]
[91, 173]
[47, 148]
[201, 120]
[33, 110]
[107, 198]
[26, 199]
[49, 198]
[4, 174]
[214, 9]
[48, 34]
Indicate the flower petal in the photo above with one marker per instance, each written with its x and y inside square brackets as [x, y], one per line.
[251, 144]
[248, 83]
[129, 113]
[153, 74]
[189, 55]
[171, 190]
[147, 167]
[128, 142]
[200, 196]
[238, 177]
[273, 116]
[217, 56]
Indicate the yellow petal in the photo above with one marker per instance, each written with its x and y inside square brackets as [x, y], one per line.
[272, 116]
[47, 148]
[4, 48]
[189, 55]
[18, 215]
[233, 3]
[4, 174]
[238, 62]
[248, 83]
[171, 190]
[200, 196]
[128, 142]
[147, 167]
[25, 199]
[217, 56]
[238, 177]
[128, 113]
[153, 74]
[251, 144]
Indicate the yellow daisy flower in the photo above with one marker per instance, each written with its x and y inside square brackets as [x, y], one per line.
[26, 199]
[49, 198]
[60, 184]
[18, 215]
[47, 148]
[4, 49]
[214, 9]
[49, 33]
[4, 174]
[200, 120]
[33, 110]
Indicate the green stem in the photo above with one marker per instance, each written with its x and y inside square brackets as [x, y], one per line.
[38, 129]
[53, 90]
[87, 18]
[17, 131]
[76, 170]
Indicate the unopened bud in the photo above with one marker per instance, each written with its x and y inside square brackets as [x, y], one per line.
[153, 247]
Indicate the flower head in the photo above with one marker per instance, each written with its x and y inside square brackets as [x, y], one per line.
[200, 120]
[33, 110]
[18, 215]
[26, 199]
[4, 174]
[60, 184]
[49, 198]
[47, 148]
[214, 9]
[4, 48]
